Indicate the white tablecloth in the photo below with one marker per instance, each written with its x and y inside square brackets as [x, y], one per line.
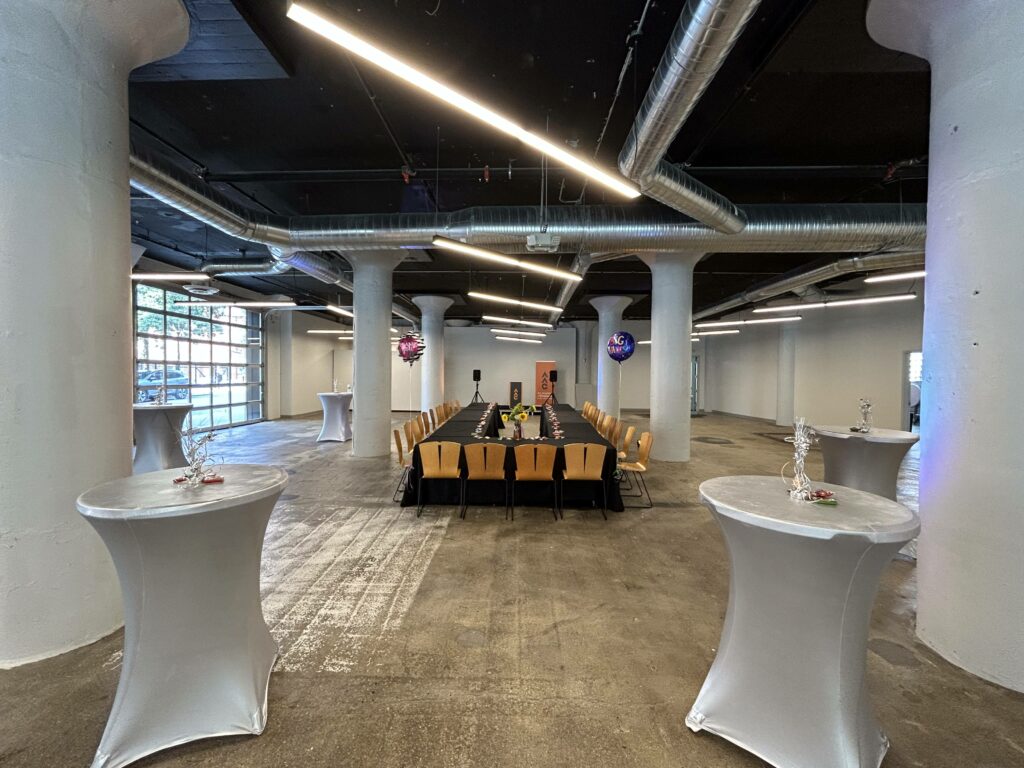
[337, 422]
[867, 461]
[158, 436]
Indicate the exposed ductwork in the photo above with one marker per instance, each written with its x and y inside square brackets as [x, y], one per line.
[701, 41]
[795, 282]
[246, 268]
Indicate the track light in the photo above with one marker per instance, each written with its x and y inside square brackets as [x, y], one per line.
[517, 302]
[513, 321]
[339, 311]
[513, 332]
[185, 277]
[840, 303]
[501, 258]
[515, 338]
[727, 323]
[298, 12]
[894, 276]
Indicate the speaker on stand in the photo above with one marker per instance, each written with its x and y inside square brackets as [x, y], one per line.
[476, 395]
[551, 399]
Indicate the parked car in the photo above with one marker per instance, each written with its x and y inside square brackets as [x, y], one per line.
[177, 383]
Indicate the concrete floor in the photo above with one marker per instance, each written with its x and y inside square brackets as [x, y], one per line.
[442, 642]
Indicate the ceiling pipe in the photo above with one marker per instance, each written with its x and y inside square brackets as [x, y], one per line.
[795, 282]
[245, 268]
[701, 41]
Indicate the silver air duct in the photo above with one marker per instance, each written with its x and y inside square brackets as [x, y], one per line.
[701, 41]
[245, 268]
[796, 282]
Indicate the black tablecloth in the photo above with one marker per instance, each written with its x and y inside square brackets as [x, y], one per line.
[460, 428]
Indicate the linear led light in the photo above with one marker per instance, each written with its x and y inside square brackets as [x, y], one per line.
[186, 277]
[839, 303]
[513, 321]
[727, 323]
[694, 338]
[394, 330]
[516, 338]
[339, 311]
[336, 34]
[501, 258]
[894, 276]
[645, 341]
[245, 304]
[517, 302]
[715, 333]
[513, 332]
[340, 330]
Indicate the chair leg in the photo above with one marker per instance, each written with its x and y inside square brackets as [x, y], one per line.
[462, 511]
[419, 496]
[643, 486]
[513, 500]
[554, 509]
[401, 485]
[604, 497]
[506, 498]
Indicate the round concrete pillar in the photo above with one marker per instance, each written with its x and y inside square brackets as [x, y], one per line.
[970, 569]
[584, 389]
[609, 373]
[786, 391]
[65, 304]
[432, 309]
[671, 357]
[371, 357]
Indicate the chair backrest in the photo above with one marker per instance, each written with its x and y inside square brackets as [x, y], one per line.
[398, 445]
[435, 417]
[416, 423]
[644, 452]
[584, 461]
[616, 434]
[409, 439]
[457, 406]
[440, 458]
[624, 445]
[484, 460]
[604, 424]
[535, 462]
[425, 421]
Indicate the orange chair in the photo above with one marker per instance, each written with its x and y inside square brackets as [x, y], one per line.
[639, 467]
[584, 462]
[404, 463]
[439, 460]
[535, 463]
[425, 422]
[485, 462]
[416, 424]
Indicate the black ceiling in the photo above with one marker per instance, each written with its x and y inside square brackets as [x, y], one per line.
[806, 109]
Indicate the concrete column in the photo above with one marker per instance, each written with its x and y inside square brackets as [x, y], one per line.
[432, 309]
[585, 389]
[671, 355]
[786, 384]
[970, 568]
[609, 373]
[65, 304]
[371, 358]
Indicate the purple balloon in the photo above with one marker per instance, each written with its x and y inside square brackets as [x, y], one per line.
[621, 346]
[410, 348]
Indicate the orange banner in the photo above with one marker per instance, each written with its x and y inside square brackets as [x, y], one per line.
[543, 386]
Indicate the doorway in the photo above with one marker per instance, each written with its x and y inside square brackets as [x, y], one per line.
[913, 366]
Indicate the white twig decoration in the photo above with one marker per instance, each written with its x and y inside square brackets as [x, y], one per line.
[803, 437]
[199, 467]
[864, 425]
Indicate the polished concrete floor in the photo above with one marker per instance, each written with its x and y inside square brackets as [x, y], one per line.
[478, 642]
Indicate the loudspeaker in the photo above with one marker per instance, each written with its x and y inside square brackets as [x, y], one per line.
[476, 374]
[554, 376]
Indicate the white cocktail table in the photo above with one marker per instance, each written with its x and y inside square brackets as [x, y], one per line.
[787, 683]
[867, 461]
[158, 436]
[197, 652]
[337, 424]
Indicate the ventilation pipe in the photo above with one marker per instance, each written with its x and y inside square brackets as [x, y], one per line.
[245, 268]
[804, 279]
[701, 41]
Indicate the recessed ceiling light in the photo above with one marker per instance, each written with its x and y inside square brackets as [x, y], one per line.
[332, 31]
[513, 321]
[516, 338]
[762, 321]
[893, 277]
[839, 303]
[186, 277]
[517, 302]
[501, 258]
[513, 332]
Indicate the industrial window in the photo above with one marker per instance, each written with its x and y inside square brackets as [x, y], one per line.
[211, 356]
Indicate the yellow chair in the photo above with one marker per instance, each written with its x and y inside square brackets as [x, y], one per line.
[584, 462]
[404, 463]
[410, 440]
[623, 447]
[485, 462]
[416, 424]
[425, 422]
[616, 434]
[439, 460]
[535, 463]
[639, 467]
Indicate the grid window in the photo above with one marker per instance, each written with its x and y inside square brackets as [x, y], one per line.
[210, 356]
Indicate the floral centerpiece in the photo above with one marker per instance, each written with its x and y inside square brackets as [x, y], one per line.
[518, 415]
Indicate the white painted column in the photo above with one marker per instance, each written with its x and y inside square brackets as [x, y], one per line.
[970, 564]
[65, 304]
[671, 352]
[432, 309]
[584, 389]
[371, 358]
[609, 373]
[786, 381]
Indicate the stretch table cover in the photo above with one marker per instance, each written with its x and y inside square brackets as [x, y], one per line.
[788, 681]
[337, 423]
[158, 436]
[867, 461]
[197, 652]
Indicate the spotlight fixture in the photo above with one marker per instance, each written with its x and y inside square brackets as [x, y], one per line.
[244, 304]
[714, 333]
[762, 321]
[299, 13]
[895, 276]
[515, 338]
[517, 302]
[840, 303]
[187, 277]
[513, 321]
[513, 332]
[501, 258]
[339, 311]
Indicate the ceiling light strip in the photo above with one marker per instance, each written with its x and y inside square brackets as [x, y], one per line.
[339, 311]
[501, 258]
[188, 277]
[513, 321]
[514, 332]
[716, 333]
[895, 276]
[516, 338]
[243, 304]
[762, 321]
[840, 303]
[517, 302]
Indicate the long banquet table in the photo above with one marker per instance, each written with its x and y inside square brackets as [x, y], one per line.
[459, 429]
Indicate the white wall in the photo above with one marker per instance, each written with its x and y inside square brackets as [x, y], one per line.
[301, 364]
[742, 372]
